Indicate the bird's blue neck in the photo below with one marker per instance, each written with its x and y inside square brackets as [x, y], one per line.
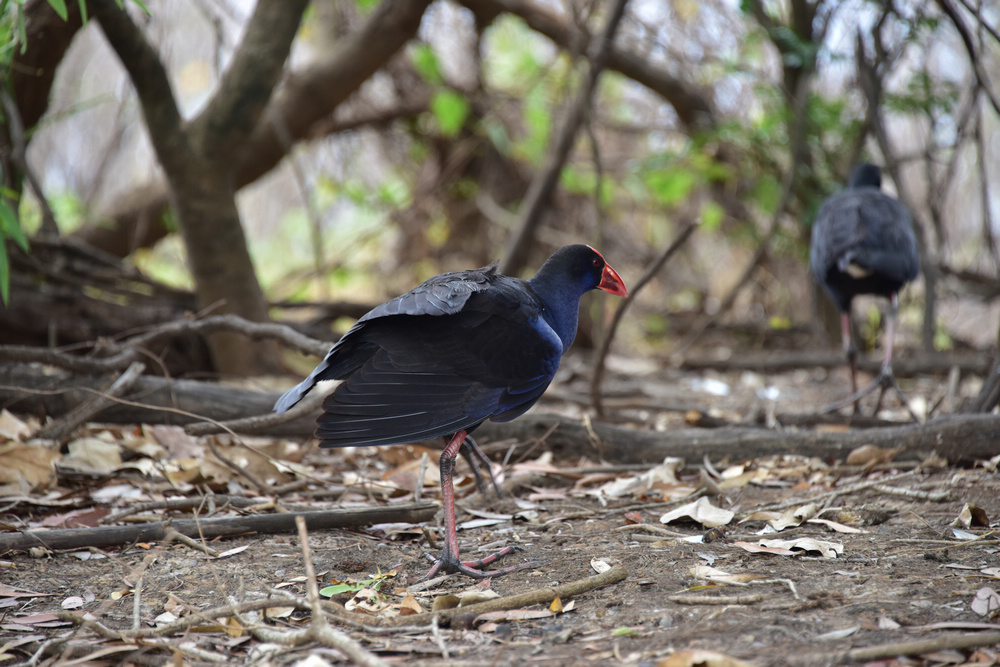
[561, 303]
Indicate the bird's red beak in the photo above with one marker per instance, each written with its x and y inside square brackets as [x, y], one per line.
[611, 282]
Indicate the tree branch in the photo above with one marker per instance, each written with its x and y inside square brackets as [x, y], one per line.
[246, 86]
[310, 95]
[692, 104]
[152, 85]
[539, 193]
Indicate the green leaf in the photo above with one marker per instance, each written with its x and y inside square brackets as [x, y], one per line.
[59, 6]
[538, 119]
[625, 632]
[450, 109]
[4, 275]
[337, 589]
[711, 216]
[22, 29]
[426, 62]
[10, 228]
[670, 185]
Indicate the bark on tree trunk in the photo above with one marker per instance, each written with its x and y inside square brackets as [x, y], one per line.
[305, 97]
[199, 158]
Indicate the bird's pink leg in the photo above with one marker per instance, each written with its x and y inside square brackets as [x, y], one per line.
[449, 560]
[850, 350]
[890, 333]
[886, 379]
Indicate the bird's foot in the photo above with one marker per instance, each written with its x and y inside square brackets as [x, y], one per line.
[885, 380]
[450, 563]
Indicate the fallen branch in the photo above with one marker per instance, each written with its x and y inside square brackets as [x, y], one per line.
[753, 598]
[961, 439]
[918, 647]
[268, 524]
[538, 596]
[62, 429]
[925, 363]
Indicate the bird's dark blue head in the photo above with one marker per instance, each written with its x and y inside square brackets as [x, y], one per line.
[565, 277]
[865, 176]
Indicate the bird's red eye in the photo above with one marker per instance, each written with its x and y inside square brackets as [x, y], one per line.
[597, 262]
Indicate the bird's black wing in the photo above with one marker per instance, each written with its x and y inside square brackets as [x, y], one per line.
[890, 248]
[867, 229]
[444, 294]
[432, 376]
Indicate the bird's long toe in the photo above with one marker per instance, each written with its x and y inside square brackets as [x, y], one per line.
[449, 563]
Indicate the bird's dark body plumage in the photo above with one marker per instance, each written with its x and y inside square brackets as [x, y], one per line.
[453, 352]
[863, 242]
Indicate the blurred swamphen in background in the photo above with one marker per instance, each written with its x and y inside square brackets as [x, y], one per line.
[443, 358]
[863, 243]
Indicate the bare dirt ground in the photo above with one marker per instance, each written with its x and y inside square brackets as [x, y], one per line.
[912, 569]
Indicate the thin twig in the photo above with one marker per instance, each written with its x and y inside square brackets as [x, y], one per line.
[62, 428]
[16, 129]
[597, 378]
[540, 190]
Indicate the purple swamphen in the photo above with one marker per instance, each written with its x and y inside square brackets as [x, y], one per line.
[446, 356]
[863, 243]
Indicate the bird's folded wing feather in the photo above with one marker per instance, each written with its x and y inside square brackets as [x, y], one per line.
[445, 294]
[434, 376]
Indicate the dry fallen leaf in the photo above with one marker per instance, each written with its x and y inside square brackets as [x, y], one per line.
[869, 455]
[600, 566]
[410, 606]
[716, 575]
[827, 549]
[838, 527]
[699, 658]
[758, 549]
[12, 428]
[92, 454]
[32, 463]
[702, 511]
[972, 516]
[839, 634]
[366, 601]
[986, 602]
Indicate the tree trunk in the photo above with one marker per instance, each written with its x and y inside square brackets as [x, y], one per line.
[223, 272]
[199, 158]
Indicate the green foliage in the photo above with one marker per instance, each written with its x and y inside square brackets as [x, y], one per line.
[795, 52]
[10, 229]
[448, 106]
[576, 180]
[942, 339]
[450, 109]
[537, 114]
[711, 216]
[14, 38]
[425, 61]
[373, 582]
[924, 95]
[671, 185]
